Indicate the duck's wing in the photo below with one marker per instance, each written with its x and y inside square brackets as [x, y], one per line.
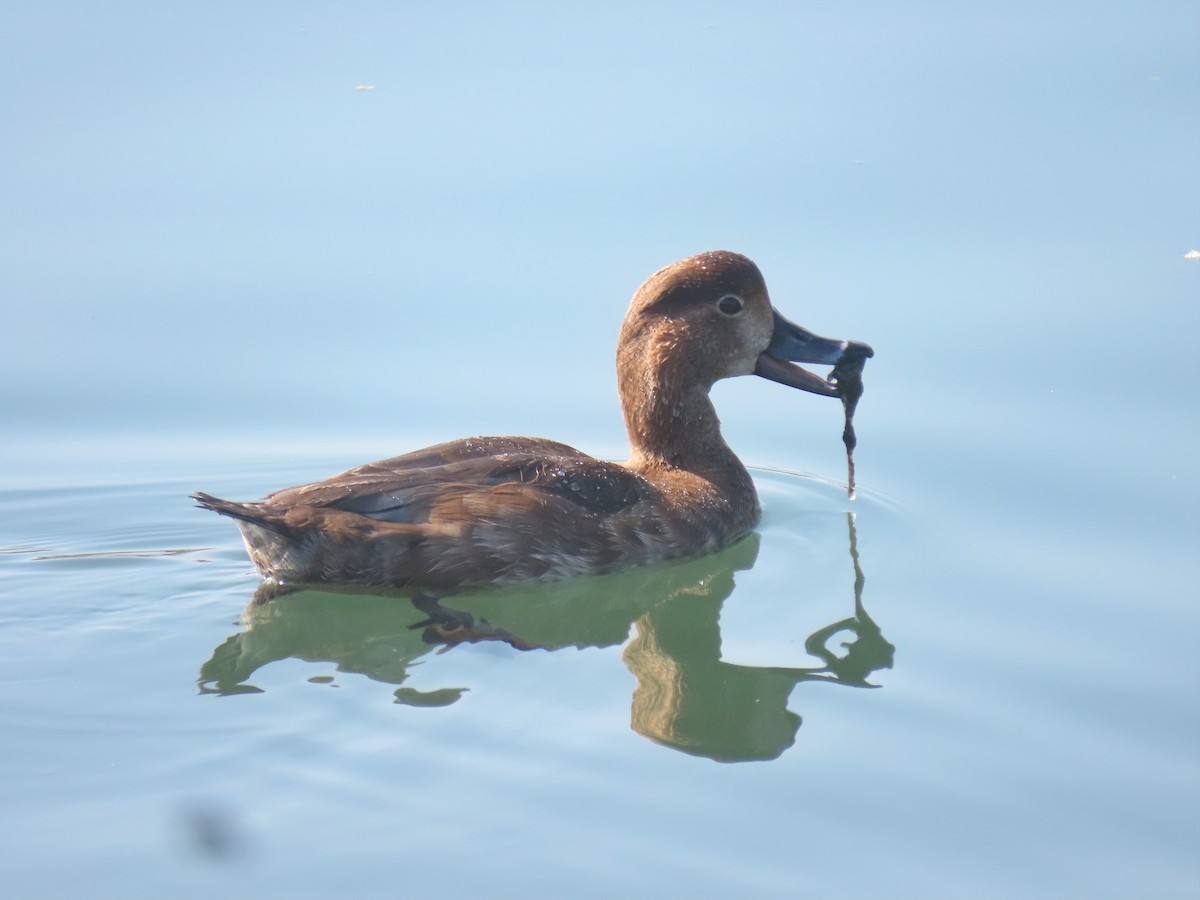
[426, 484]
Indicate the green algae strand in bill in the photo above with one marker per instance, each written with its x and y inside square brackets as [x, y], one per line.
[847, 377]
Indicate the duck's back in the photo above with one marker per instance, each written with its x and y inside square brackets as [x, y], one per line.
[412, 488]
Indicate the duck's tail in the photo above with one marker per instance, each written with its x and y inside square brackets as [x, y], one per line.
[272, 545]
[243, 512]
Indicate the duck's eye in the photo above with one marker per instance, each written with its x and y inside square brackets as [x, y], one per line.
[730, 304]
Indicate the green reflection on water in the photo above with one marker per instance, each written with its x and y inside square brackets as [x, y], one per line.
[686, 698]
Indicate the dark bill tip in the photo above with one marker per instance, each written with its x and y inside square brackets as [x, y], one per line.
[856, 350]
[791, 344]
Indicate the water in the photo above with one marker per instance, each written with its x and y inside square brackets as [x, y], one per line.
[225, 269]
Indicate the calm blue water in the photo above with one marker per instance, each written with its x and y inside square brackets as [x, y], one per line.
[222, 267]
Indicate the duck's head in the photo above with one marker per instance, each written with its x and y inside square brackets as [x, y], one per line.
[709, 317]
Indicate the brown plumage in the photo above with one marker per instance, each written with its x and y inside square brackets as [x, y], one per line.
[508, 509]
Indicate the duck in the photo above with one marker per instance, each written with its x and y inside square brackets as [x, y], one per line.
[503, 510]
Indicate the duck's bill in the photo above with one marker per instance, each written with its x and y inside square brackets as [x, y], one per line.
[791, 344]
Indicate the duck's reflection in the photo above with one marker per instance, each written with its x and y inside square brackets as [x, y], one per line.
[686, 697]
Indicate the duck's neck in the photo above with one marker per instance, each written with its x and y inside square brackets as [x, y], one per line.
[675, 437]
[673, 428]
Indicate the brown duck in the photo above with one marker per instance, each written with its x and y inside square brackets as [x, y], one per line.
[510, 509]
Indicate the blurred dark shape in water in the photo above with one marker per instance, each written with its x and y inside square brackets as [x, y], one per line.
[212, 832]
